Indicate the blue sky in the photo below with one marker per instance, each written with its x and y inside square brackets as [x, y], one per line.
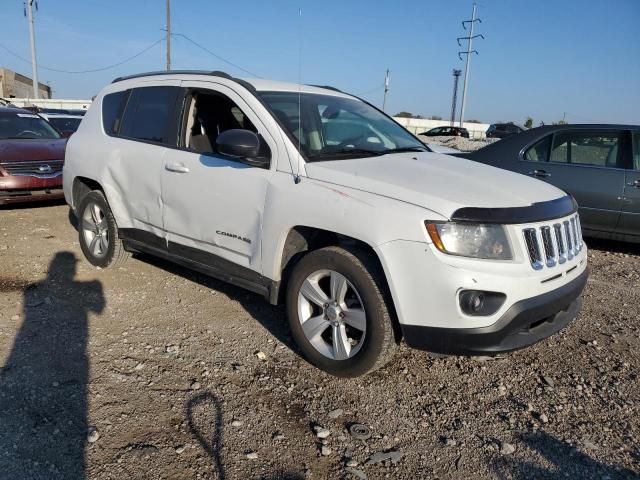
[540, 58]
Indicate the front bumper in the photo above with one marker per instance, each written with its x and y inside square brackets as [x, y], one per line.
[525, 323]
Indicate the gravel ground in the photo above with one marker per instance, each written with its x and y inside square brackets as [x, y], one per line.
[459, 143]
[151, 371]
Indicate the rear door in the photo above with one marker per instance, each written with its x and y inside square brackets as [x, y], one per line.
[588, 164]
[630, 218]
[142, 132]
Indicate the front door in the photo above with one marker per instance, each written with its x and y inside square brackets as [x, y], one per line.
[586, 164]
[214, 204]
[630, 218]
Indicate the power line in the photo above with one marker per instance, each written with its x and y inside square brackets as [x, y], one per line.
[215, 54]
[90, 70]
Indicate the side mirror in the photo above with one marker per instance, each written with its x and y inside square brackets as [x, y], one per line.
[238, 143]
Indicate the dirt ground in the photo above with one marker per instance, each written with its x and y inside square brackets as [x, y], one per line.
[151, 371]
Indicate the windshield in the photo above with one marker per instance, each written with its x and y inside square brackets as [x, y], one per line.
[25, 125]
[336, 128]
[65, 124]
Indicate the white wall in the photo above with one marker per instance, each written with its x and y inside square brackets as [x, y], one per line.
[419, 125]
[51, 103]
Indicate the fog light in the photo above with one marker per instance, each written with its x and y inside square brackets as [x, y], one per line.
[480, 303]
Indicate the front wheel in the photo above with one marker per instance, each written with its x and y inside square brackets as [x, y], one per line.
[339, 311]
[98, 232]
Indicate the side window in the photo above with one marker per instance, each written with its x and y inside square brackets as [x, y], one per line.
[149, 114]
[112, 108]
[540, 151]
[636, 150]
[586, 148]
[208, 114]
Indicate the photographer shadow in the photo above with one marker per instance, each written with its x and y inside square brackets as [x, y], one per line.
[43, 383]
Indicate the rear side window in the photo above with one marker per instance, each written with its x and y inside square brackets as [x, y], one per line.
[112, 108]
[540, 151]
[586, 148]
[150, 114]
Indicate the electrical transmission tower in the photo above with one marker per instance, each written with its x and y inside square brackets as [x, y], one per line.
[454, 100]
[469, 38]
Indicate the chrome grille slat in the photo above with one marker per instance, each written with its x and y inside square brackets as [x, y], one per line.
[547, 243]
[33, 168]
[553, 244]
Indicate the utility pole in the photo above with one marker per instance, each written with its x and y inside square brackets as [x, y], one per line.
[468, 53]
[386, 89]
[454, 100]
[168, 35]
[32, 37]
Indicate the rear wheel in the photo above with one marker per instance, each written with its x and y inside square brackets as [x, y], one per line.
[339, 313]
[98, 232]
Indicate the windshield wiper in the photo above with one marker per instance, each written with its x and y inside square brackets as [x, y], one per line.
[405, 149]
[345, 152]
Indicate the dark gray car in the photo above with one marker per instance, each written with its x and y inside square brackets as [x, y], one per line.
[598, 164]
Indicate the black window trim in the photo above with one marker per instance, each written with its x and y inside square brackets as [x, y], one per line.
[186, 95]
[171, 129]
[625, 144]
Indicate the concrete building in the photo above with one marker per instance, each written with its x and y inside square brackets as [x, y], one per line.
[15, 85]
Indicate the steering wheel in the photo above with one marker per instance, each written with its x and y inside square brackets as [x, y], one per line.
[353, 140]
[28, 132]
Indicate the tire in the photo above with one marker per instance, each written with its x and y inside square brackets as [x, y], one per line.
[355, 296]
[98, 232]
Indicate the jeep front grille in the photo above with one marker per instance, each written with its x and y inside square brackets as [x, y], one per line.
[554, 244]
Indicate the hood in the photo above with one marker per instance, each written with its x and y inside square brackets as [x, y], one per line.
[31, 149]
[440, 183]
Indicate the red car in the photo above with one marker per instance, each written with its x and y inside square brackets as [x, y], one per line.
[31, 157]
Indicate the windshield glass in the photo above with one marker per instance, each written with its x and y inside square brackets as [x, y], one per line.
[25, 125]
[65, 124]
[335, 128]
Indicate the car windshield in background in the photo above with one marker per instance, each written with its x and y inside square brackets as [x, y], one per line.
[337, 128]
[65, 124]
[25, 125]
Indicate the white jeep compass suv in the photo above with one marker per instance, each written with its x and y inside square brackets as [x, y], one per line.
[313, 197]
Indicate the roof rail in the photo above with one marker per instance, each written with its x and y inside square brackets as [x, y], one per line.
[327, 87]
[215, 73]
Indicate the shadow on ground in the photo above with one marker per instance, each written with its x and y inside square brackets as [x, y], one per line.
[43, 383]
[565, 460]
[613, 246]
[205, 420]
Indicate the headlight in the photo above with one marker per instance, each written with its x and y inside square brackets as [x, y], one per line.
[478, 240]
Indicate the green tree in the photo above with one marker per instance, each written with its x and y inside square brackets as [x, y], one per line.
[404, 115]
[528, 122]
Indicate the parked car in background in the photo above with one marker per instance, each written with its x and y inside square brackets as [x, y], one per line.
[65, 123]
[598, 164]
[31, 157]
[503, 130]
[315, 199]
[447, 132]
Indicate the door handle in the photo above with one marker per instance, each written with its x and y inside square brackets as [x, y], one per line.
[540, 173]
[176, 167]
[635, 183]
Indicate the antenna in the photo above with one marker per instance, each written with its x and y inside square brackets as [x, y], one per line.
[168, 12]
[296, 174]
[386, 89]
